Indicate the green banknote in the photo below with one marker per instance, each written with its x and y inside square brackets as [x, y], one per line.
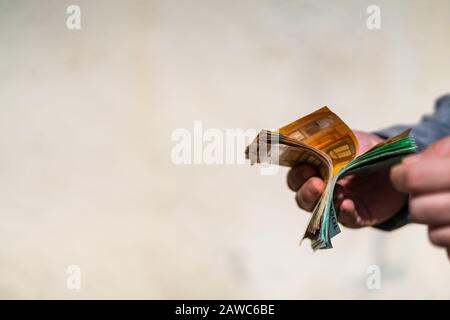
[380, 157]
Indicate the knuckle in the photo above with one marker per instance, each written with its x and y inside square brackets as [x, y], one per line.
[412, 178]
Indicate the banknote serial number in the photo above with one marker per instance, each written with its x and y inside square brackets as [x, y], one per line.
[226, 309]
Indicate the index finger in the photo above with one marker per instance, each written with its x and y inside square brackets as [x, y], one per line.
[298, 175]
[425, 174]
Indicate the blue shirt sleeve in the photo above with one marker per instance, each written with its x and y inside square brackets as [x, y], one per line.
[429, 130]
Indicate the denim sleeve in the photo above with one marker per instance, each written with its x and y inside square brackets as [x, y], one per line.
[429, 130]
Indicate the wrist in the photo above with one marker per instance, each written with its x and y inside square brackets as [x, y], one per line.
[366, 140]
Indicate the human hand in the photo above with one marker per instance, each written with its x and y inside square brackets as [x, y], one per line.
[360, 200]
[426, 177]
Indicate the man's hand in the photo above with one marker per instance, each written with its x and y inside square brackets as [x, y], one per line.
[360, 200]
[426, 177]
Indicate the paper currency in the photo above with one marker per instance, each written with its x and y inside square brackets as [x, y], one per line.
[323, 140]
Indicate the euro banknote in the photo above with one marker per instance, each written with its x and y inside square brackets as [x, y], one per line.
[323, 140]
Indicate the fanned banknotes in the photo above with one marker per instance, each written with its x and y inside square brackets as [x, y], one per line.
[323, 140]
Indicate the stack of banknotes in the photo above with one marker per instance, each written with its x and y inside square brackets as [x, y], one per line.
[323, 140]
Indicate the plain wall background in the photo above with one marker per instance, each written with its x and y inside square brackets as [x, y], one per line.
[86, 117]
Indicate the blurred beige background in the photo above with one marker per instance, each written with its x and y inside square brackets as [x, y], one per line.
[86, 117]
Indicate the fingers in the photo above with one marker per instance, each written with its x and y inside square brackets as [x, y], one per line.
[432, 209]
[427, 178]
[345, 208]
[338, 196]
[309, 193]
[297, 176]
[440, 235]
[423, 174]
[426, 172]
[347, 214]
[309, 187]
